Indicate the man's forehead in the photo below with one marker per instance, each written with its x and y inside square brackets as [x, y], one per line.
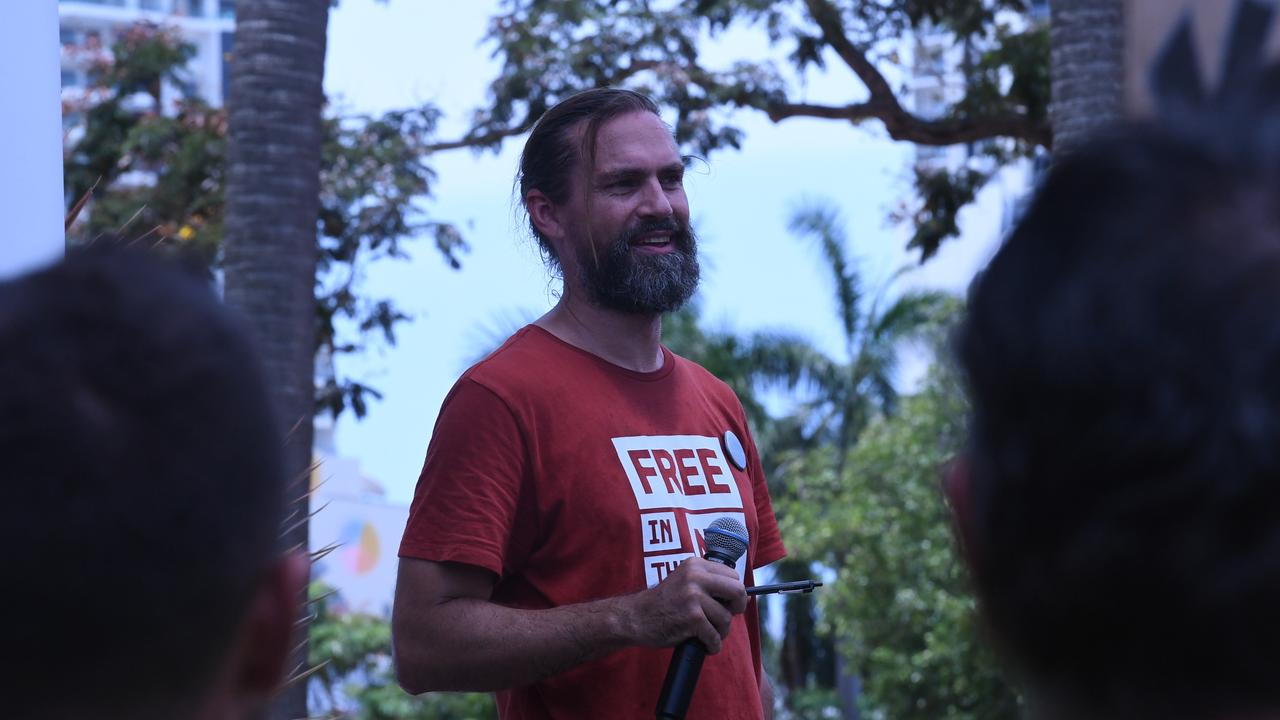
[634, 140]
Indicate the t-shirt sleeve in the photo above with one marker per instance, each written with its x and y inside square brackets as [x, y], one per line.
[770, 547]
[464, 507]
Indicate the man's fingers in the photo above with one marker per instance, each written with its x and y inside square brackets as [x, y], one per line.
[718, 615]
[709, 638]
[709, 594]
[728, 591]
[702, 565]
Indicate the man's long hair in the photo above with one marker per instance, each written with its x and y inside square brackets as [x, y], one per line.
[555, 147]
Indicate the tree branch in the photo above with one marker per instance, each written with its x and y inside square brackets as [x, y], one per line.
[903, 126]
[885, 107]
[489, 138]
[494, 136]
[832, 25]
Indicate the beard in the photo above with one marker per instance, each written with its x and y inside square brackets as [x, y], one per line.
[638, 282]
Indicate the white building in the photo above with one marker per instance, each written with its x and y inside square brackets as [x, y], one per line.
[352, 512]
[89, 27]
[352, 518]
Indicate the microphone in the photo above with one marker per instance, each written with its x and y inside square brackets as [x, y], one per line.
[726, 542]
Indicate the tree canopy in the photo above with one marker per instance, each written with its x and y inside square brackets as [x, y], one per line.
[159, 177]
[900, 602]
[550, 49]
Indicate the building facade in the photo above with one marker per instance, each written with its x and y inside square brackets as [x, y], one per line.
[89, 27]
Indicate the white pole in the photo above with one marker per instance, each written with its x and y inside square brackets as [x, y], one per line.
[31, 212]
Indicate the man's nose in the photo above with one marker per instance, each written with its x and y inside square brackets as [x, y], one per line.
[655, 202]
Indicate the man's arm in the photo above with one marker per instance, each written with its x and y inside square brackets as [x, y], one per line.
[447, 635]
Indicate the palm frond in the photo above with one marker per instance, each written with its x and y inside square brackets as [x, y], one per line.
[319, 599]
[312, 491]
[881, 387]
[301, 672]
[302, 521]
[486, 338]
[914, 313]
[821, 222]
[75, 210]
[323, 552]
[297, 424]
[790, 361]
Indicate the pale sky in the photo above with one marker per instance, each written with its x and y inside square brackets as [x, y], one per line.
[756, 275]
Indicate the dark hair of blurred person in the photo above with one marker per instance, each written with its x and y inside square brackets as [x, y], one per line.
[1119, 504]
[144, 492]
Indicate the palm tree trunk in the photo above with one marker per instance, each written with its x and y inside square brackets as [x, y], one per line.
[1087, 68]
[273, 177]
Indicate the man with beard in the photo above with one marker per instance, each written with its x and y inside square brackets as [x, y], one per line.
[554, 548]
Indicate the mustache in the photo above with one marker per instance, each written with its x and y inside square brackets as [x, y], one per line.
[651, 226]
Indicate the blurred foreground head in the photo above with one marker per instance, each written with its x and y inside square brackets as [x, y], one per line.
[143, 496]
[1121, 505]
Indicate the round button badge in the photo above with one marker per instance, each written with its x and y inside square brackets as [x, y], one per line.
[733, 448]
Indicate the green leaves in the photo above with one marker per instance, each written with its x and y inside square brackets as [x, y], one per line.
[145, 55]
[860, 386]
[942, 194]
[746, 365]
[162, 180]
[900, 602]
[550, 49]
[356, 680]
[822, 223]
[1009, 74]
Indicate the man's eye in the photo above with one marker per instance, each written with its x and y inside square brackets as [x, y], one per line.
[672, 182]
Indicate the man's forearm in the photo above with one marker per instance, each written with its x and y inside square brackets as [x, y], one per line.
[467, 644]
[448, 635]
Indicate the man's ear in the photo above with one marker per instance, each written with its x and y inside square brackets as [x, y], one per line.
[269, 629]
[957, 488]
[545, 215]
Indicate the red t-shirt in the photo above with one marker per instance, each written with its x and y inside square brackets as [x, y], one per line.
[573, 479]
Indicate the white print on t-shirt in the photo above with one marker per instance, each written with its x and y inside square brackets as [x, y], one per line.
[682, 483]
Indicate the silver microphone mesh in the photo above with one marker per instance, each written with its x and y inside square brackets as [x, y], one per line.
[727, 536]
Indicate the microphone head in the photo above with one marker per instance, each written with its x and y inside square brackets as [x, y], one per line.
[727, 538]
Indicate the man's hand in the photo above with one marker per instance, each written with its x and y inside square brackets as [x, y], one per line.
[448, 635]
[698, 600]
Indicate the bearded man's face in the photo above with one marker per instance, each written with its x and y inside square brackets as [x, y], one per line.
[635, 252]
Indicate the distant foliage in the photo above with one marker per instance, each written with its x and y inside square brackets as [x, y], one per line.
[356, 680]
[900, 604]
[157, 176]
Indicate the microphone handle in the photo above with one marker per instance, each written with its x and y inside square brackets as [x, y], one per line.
[686, 664]
[682, 678]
